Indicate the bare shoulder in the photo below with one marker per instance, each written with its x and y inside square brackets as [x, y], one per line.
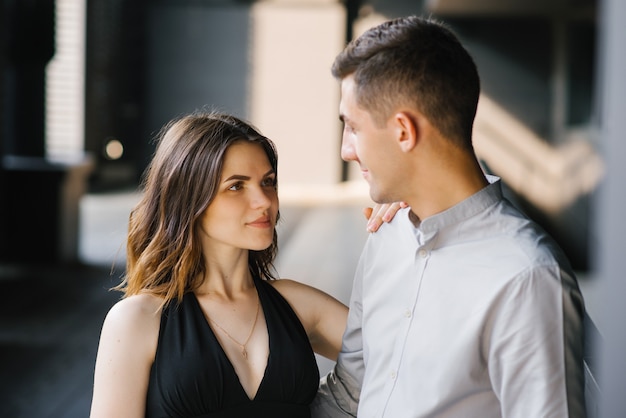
[142, 307]
[126, 352]
[285, 284]
[302, 296]
[293, 289]
[135, 317]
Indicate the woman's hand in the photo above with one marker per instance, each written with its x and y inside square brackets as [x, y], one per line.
[381, 213]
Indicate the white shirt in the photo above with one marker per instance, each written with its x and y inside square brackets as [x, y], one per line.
[474, 313]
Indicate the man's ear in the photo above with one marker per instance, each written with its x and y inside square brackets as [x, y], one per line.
[408, 130]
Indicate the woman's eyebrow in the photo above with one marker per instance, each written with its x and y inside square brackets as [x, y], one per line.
[242, 177]
[237, 177]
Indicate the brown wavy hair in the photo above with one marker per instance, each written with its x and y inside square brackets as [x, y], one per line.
[164, 251]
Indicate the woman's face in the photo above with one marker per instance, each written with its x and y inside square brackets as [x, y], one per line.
[243, 212]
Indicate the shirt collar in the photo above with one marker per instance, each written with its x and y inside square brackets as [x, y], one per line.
[467, 208]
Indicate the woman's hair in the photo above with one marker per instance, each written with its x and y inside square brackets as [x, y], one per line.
[415, 62]
[164, 251]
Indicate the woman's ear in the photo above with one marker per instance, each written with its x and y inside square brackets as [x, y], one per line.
[408, 130]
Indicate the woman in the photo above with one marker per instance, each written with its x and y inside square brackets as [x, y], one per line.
[202, 330]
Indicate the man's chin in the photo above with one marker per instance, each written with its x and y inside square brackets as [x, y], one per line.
[378, 197]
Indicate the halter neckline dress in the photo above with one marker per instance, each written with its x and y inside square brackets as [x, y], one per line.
[192, 377]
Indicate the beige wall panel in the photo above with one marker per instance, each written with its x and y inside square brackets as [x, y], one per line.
[294, 98]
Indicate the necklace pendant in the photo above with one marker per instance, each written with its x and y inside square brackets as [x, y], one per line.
[244, 353]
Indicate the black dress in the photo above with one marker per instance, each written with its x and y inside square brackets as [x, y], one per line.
[192, 376]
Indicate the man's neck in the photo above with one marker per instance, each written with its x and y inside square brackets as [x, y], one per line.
[445, 186]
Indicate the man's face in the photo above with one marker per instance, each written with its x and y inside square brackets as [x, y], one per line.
[368, 144]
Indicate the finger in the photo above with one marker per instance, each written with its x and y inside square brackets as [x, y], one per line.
[376, 217]
[390, 211]
[379, 210]
[374, 223]
[376, 212]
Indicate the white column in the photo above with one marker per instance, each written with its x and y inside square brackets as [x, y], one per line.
[65, 82]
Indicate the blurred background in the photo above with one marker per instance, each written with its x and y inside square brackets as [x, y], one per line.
[86, 84]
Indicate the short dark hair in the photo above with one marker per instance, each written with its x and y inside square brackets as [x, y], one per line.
[418, 62]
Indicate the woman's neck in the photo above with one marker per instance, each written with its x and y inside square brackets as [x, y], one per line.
[226, 273]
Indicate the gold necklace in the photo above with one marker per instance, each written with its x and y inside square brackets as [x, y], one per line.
[244, 352]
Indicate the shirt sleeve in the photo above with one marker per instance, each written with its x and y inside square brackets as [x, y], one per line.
[337, 396]
[535, 346]
[339, 391]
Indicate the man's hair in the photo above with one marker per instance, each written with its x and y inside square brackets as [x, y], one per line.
[416, 62]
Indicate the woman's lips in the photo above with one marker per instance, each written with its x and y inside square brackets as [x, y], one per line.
[262, 222]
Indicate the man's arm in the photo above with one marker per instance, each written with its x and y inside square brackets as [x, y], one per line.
[536, 349]
[338, 394]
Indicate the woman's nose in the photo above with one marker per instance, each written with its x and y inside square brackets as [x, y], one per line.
[261, 198]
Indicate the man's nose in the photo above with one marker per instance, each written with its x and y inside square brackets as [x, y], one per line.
[347, 148]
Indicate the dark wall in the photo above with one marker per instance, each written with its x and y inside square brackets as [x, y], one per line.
[514, 59]
[28, 190]
[3, 38]
[150, 61]
[29, 38]
[114, 86]
[197, 57]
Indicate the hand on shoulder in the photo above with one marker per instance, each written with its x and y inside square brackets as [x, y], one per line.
[381, 213]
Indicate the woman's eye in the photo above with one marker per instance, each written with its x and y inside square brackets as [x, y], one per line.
[235, 187]
[269, 182]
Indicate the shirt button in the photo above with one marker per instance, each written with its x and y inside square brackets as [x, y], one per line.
[393, 375]
[423, 253]
[407, 313]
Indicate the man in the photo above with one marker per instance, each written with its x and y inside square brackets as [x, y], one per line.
[461, 306]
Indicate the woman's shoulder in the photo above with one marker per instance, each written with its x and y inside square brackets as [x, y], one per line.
[288, 287]
[300, 294]
[132, 324]
[143, 305]
[136, 314]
